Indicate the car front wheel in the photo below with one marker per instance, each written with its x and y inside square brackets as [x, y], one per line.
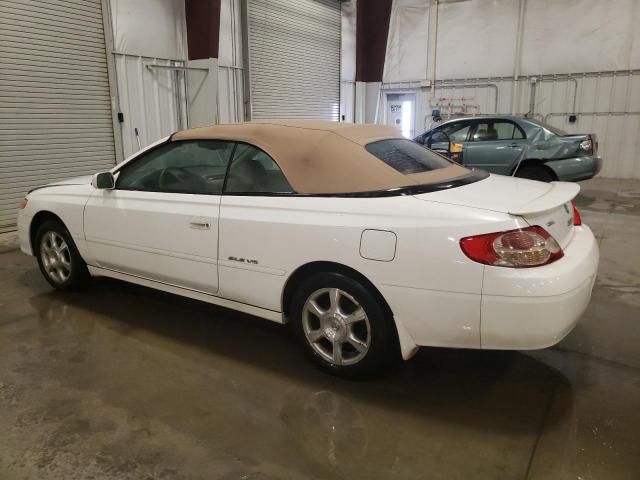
[342, 326]
[58, 257]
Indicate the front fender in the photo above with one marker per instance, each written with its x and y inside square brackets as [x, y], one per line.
[66, 202]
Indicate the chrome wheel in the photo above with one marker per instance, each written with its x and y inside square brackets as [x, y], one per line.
[55, 256]
[336, 326]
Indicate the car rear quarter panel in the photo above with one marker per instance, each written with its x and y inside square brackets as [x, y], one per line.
[432, 288]
[575, 169]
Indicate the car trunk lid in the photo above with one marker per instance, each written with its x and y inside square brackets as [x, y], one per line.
[545, 204]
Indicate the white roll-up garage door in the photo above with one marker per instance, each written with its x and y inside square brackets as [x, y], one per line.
[294, 58]
[55, 113]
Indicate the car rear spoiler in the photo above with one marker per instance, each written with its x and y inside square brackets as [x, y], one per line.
[558, 194]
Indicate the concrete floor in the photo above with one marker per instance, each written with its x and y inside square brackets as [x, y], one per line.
[122, 382]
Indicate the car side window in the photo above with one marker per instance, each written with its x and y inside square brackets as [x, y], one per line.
[457, 131]
[253, 171]
[439, 137]
[195, 166]
[487, 131]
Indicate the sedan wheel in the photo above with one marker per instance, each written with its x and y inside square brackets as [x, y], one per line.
[336, 326]
[343, 325]
[56, 257]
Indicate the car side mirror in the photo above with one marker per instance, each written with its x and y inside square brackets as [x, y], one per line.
[103, 181]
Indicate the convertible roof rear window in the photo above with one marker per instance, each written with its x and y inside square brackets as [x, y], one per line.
[406, 156]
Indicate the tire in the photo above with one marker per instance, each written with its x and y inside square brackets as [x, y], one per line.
[356, 339]
[535, 172]
[58, 257]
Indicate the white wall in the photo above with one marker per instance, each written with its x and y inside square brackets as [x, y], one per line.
[202, 92]
[561, 40]
[478, 38]
[153, 100]
[150, 28]
[565, 36]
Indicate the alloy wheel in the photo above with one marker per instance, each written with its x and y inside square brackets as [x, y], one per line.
[55, 256]
[336, 326]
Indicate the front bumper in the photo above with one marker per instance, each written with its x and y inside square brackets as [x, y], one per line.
[525, 309]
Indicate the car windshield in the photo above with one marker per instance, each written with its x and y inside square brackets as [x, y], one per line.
[546, 126]
[406, 156]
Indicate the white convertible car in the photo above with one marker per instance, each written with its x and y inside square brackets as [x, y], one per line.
[367, 243]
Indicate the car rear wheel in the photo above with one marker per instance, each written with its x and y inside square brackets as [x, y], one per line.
[342, 326]
[535, 172]
[58, 257]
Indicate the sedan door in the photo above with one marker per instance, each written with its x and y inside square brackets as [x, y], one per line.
[254, 230]
[161, 220]
[495, 146]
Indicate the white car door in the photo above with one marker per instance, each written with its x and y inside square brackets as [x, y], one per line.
[161, 220]
[252, 230]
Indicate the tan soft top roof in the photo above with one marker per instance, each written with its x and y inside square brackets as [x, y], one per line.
[323, 156]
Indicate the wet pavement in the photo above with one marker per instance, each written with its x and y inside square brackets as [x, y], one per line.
[122, 382]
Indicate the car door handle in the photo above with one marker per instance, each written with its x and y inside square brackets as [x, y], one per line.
[515, 145]
[200, 223]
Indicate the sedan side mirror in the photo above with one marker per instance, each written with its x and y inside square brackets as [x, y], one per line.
[103, 181]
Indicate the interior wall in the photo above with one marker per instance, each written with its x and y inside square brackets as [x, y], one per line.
[230, 64]
[202, 92]
[148, 33]
[593, 36]
[478, 38]
[152, 100]
[150, 28]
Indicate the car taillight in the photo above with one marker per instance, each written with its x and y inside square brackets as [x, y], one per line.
[521, 248]
[587, 146]
[577, 219]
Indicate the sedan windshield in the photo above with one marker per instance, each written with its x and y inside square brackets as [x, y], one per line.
[406, 156]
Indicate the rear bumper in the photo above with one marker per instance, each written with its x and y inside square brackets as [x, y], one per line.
[577, 168]
[527, 309]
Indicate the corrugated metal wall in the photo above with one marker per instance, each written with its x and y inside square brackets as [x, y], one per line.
[294, 58]
[55, 109]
